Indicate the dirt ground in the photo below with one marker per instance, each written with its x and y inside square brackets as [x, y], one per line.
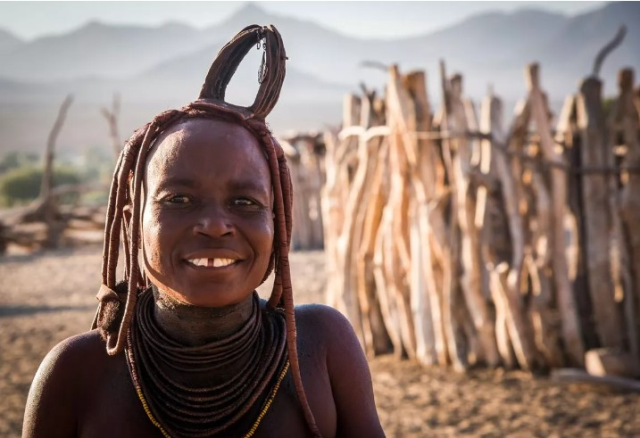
[47, 297]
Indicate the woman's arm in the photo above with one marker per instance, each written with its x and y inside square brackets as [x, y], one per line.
[350, 378]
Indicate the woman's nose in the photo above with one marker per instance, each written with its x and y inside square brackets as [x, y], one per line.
[214, 221]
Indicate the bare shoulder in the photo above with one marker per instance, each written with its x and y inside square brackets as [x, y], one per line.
[78, 344]
[326, 320]
[328, 329]
[56, 391]
[347, 366]
[71, 357]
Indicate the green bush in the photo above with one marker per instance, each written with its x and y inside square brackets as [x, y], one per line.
[23, 184]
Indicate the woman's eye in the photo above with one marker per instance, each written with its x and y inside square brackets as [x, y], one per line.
[247, 204]
[244, 202]
[178, 199]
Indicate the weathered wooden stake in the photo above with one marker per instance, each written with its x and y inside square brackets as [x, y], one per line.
[597, 215]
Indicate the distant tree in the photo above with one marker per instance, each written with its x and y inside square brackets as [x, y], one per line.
[23, 184]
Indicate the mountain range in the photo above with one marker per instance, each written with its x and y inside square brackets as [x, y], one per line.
[154, 68]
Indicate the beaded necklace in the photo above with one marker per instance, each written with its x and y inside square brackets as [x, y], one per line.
[180, 410]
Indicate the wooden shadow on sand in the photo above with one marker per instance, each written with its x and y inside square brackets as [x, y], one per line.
[22, 310]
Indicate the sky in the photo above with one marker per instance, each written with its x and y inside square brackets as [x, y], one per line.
[384, 19]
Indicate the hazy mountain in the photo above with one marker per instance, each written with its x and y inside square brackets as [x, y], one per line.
[480, 46]
[8, 42]
[27, 110]
[576, 45]
[99, 50]
[500, 31]
[486, 48]
[310, 47]
[155, 68]
[186, 74]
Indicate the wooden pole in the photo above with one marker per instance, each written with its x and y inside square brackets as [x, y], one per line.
[401, 119]
[350, 238]
[369, 292]
[570, 323]
[451, 258]
[376, 337]
[595, 197]
[471, 275]
[506, 275]
[628, 117]
[488, 215]
[426, 221]
[334, 193]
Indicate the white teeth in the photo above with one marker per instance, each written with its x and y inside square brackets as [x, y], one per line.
[216, 263]
[198, 262]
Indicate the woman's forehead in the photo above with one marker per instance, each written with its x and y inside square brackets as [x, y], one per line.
[209, 131]
[198, 143]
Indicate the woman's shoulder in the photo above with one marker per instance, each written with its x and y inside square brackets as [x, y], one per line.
[319, 313]
[74, 354]
[80, 343]
[327, 328]
[71, 362]
[323, 320]
[63, 376]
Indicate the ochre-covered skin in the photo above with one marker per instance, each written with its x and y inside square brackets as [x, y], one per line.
[207, 181]
[81, 391]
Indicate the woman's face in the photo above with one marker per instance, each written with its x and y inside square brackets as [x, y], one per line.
[207, 223]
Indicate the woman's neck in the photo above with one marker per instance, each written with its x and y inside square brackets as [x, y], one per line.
[194, 326]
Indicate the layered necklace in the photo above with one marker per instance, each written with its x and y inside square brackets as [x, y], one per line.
[178, 410]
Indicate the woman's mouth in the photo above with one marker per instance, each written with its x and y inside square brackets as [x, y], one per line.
[211, 262]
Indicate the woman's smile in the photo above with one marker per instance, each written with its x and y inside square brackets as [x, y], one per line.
[213, 258]
[212, 262]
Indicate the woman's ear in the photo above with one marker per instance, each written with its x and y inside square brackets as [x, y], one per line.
[127, 212]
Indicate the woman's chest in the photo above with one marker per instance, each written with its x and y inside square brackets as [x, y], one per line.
[111, 407]
[286, 416]
[115, 408]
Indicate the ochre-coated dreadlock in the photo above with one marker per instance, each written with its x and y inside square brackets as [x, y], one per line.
[125, 201]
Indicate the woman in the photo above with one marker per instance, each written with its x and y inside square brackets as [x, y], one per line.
[204, 192]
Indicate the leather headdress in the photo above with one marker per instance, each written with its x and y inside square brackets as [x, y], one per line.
[228, 60]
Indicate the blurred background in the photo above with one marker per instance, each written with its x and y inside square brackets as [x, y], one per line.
[76, 79]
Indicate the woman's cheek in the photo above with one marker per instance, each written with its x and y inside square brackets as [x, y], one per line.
[152, 232]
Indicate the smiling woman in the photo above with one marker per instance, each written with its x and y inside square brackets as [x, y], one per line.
[191, 351]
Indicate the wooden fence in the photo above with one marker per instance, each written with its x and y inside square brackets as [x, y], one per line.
[305, 151]
[455, 241]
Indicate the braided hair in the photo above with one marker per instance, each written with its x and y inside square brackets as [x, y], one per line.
[118, 300]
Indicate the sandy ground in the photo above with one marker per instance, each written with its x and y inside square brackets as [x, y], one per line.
[47, 297]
